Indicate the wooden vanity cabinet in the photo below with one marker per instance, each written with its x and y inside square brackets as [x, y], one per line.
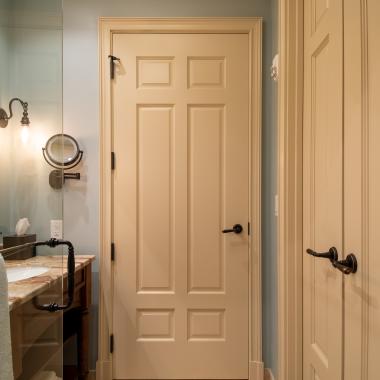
[38, 336]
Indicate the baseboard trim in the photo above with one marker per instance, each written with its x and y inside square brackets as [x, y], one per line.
[256, 371]
[268, 375]
[104, 370]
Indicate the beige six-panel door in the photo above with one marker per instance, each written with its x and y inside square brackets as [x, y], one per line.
[341, 313]
[181, 137]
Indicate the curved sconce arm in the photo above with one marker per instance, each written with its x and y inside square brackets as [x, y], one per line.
[23, 104]
[4, 116]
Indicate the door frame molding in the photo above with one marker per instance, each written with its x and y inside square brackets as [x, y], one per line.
[289, 179]
[252, 26]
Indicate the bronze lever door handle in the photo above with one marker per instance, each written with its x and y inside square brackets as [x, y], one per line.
[331, 254]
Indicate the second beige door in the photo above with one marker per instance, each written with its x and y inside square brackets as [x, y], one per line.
[341, 189]
[323, 190]
[181, 138]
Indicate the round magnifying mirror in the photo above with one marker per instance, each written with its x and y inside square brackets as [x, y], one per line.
[62, 150]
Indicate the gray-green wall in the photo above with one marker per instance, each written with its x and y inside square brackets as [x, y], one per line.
[81, 100]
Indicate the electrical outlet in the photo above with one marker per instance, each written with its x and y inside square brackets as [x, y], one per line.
[56, 229]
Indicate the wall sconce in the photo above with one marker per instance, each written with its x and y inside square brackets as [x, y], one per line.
[4, 118]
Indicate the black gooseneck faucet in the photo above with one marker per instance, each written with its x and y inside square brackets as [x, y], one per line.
[53, 306]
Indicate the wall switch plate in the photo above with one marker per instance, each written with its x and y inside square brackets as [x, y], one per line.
[276, 205]
[56, 229]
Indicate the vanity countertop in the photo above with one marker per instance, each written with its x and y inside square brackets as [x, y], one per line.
[22, 291]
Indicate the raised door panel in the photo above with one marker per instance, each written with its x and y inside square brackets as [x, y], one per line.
[155, 325]
[206, 72]
[206, 176]
[155, 209]
[154, 72]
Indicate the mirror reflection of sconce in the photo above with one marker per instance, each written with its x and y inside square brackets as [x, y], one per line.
[25, 122]
[62, 153]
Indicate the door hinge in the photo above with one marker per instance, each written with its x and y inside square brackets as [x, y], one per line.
[112, 251]
[113, 160]
[111, 343]
[249, 228]
[112, 65]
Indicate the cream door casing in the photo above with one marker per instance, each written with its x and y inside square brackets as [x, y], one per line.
[181, 138]
[323, 176]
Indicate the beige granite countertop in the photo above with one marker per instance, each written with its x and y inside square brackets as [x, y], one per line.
[22, 291]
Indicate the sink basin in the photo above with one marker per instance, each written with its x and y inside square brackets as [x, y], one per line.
[22, 273]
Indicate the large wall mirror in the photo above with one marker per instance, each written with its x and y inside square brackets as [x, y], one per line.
[31, 100]
[31, 70]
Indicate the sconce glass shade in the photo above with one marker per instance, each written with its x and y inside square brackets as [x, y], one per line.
[24, 133]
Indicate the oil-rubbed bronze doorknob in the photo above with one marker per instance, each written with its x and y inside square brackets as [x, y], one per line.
[237, 229]
[348, 265]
